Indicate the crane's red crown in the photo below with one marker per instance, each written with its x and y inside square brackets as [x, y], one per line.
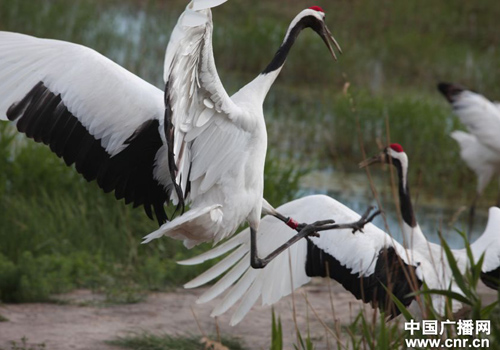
[317, 8]
[397, 147]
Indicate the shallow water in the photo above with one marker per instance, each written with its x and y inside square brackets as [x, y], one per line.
[433, 216]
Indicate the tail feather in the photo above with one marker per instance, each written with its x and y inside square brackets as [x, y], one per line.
[192, 227]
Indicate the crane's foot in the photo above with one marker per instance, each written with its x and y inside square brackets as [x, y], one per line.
[365, 219]
[305, 231]
[311, 230]
[355, 226]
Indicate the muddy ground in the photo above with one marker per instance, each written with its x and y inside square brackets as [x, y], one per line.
[83, 323]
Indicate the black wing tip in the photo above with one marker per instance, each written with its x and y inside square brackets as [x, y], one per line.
[491, 278]
[389, 273]
[42, 116]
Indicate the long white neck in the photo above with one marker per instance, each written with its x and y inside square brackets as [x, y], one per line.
[259, 87]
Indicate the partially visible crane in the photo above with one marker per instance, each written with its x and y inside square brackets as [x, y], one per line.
[480, 148]
[413, 238]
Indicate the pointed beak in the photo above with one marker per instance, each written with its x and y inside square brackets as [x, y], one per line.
[379, 158]
[328, 38]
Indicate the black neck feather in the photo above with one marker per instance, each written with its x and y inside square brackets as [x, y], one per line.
[404, 196]
[282, 53]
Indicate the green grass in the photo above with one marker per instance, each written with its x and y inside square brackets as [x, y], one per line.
[25, 345]
[148, 341]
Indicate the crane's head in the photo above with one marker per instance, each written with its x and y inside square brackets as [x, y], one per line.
[314, 18]
[450, 91]
[392, 154]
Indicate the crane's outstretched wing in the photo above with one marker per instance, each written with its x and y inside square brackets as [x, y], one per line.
[481, 159]
[360, 262]
[89, 111]
[476, 112]
[203, 125]
[489, 245]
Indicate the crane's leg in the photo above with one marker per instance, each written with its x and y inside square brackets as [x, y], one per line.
[304, 230]
[290, 222]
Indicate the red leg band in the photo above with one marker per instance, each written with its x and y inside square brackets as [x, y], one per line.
[292, 223]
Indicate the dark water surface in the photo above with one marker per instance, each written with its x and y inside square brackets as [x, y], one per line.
[433, 216]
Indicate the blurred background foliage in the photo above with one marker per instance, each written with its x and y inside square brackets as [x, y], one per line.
[58, 232]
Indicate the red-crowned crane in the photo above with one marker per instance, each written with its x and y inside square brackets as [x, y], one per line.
[191, 143]
[413, 237]
[480, 148]
[363, 262]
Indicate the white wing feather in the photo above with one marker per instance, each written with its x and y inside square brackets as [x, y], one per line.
[108, 100]
[480, 116]
[225, 282]
[489, 242]
[219, 250]
[478, 157]
[202, 113]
